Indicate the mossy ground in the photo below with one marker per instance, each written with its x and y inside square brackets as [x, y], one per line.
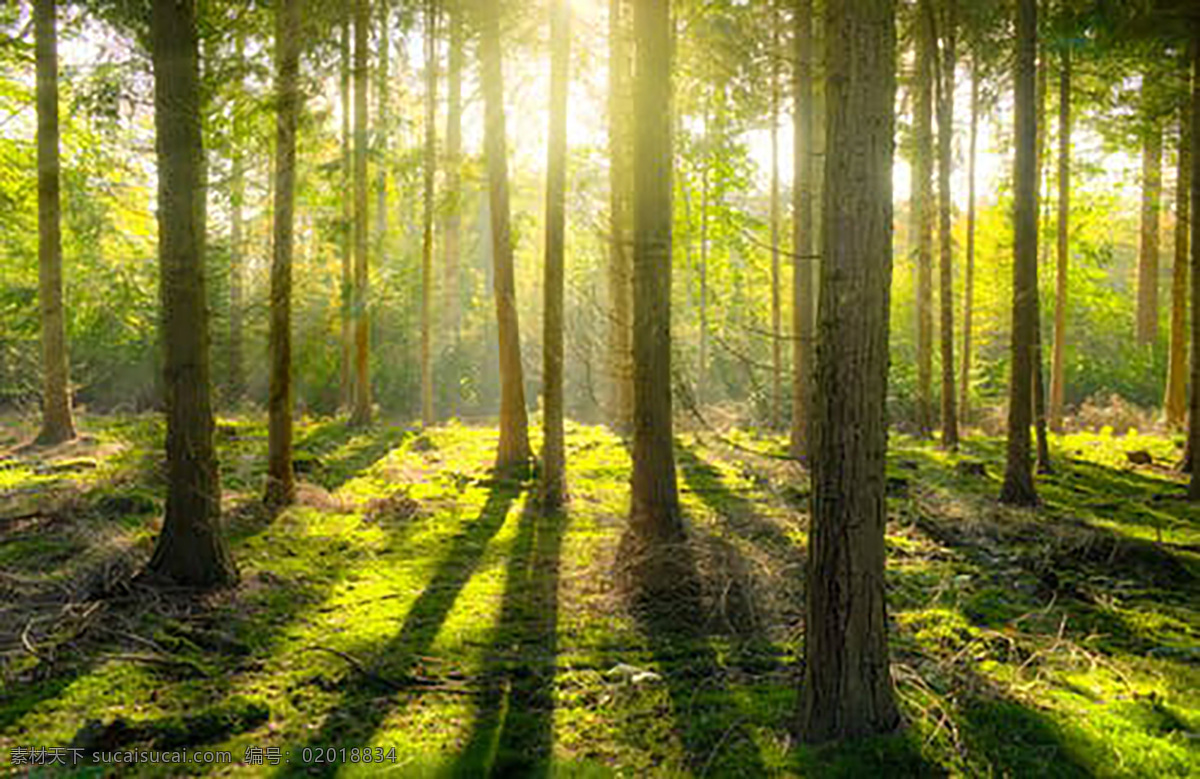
[411, 601]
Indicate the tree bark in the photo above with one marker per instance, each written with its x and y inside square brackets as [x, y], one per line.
[802, 229]
[360, 414]
[847, 690]
[1018, 488]
[945, 114]
[1147, 300]
[453, 183]
[554, 482]
[191, 550]
[776, 309]
[281, 479]
[346, 294]
[923, 213]
[236, 385]
[1194, 396]
[620, 260]
[1176, 395]
[513, 449]
[1039, 384]
[430, 166]
[964, 381]
[57, 422]
[1058, 356]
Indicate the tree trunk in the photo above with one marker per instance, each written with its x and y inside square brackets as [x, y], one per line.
[236, 385]
[802, 229]
[430, 166]
[1176, 396]
[346, 297]
[776, 310]
[945, 115]
[191, 550]
[360, 414]
[620, 261]
[1018, 488]
[1058, 357]
[923, 208]
[847, 689]
[1147, 308]
[514, 433]
[1194, 396]
[281, 480]
[57, 424]
[964, 381]
[453, 183]
[1039, 385]
[554, 480]
[702, 363]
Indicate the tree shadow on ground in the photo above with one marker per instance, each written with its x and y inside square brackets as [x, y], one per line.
[513, 731]
[332, 453]
[368, 694]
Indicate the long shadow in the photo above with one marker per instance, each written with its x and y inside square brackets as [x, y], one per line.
[513, 731]
[332, 453]
[356, 716]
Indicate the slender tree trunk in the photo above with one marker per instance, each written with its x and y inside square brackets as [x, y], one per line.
[191, 550]
[776, 310]
[453, 183]
[620, 260]
[802, 228]
[57, 422]
[1176, 396]
[431, 11]
[1018, 488]
[281, 480]
[706, 162]
[1147, 309]
[236, 384]
[964, 381]
[554, 481]
[514, 427]
[945, 115]
[346, 297]
[360, 415]
[1039, 385]
[1194, 396]
[654, 518]
[1058, 358]
[847, 690]
[924, 209]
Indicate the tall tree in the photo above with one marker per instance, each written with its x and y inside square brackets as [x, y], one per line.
[847, 689]
[776, 303]
[360, 412]
[1194, 396]
[1018, 488]
[1058, 356]
[964, 378]
[346, 384]
[236, 385]
[802, 227]
[513, 451]
[945, 119]
[281, 479]
[553, 450]
[1039, 383]
[1175, 402]
[1147, 299]
[453, 183]
[654, 516]
[57, 423]
[191, 549]
[620, 259]
[923, 210]
[430, 168]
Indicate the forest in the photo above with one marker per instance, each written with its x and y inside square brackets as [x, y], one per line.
[599, 388]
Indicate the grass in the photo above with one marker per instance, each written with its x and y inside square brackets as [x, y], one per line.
[414, 606]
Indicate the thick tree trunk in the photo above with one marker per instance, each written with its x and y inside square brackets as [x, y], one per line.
[776, 309]
[923, 208]
[945, 114]
[57, 423]
[191, 550]
[964, 380]
[453, 182]
[1018, 488]
[360, 414]
[281, 479]
[1147, 300]
[514, 427]
[1058, 357]
[620, 254]
[346, 297]
[847, 688]
[1176, 395]
[554, 481]
[430, 166]
[802, 229]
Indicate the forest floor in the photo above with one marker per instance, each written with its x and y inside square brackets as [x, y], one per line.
[414, 604]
